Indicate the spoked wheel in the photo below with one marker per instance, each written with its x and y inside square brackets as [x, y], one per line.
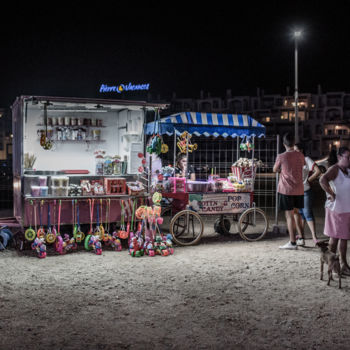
[253, 224]
[186, 228]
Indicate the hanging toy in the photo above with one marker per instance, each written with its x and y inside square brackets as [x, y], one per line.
[93, 242]
[155, 145]
[250, 145]
[169, 243]
[184, 143]
[29, 233]
[69, 243]
[131, 233]
[102, 229]
[41, 231]
[115, 242]
[97, 230]
[59, 239]
[54, 231]
[122, 233]
[106, 237]
[77, 233]
[148, 245]
[156, 198]
[50, 236]
[40, 247]
[164, 148]
[243, 145]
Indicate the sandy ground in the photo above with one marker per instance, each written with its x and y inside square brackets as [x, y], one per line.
[224, 293]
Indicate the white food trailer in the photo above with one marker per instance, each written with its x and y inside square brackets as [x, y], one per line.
[63, 135]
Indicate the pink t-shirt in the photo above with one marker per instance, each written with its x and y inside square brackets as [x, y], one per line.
[291, 164]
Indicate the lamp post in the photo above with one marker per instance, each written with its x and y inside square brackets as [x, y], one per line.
[297, 35]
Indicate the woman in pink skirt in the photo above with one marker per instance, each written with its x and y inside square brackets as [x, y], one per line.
[336, 183]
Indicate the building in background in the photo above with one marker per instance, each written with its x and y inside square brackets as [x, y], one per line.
[324, 118]
[6, 193]
[5, 135]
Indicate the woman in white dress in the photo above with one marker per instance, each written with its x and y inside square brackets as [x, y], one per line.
[336, 183]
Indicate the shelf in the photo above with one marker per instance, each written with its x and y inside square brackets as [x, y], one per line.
[72, 126]
[75, 141]
[112, 196]
[78, 141]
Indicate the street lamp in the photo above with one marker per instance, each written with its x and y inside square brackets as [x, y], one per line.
[297, 35]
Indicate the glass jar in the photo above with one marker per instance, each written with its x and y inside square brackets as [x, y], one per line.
[117, 166]
[99, 162]
[108, 166]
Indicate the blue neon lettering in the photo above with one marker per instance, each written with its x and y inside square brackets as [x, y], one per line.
[123, 87]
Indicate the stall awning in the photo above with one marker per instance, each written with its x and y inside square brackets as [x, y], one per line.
[207, 124]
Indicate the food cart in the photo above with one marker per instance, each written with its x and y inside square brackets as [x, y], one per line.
[229, 198]
[75, 159]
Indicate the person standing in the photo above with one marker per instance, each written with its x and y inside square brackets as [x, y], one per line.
[336, 183]
[310, 172]
[290, 186]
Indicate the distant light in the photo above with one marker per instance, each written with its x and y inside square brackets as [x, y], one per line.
[297, 33]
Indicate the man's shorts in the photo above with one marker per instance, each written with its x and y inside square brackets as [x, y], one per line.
[287, 202]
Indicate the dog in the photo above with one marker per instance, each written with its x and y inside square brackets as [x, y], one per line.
[332, 260]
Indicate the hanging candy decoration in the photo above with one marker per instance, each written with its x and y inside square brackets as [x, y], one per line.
[29, 233]
[165, 148]
[243, 144]
[184, 143]
[141, 212]
[41, 231]
[59, 239]
[250, 145]
[54, 218]
[102, 229]
[156, 198]
[106, 237]
[78, 234]
[155, 145]
[50, 236]
[122, 233]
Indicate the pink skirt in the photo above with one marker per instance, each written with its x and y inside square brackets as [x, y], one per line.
[337, 225]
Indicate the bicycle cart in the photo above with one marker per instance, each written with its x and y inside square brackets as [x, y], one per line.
[226, 196]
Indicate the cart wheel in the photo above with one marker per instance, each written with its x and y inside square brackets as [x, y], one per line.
[186, 228]
[253, 224]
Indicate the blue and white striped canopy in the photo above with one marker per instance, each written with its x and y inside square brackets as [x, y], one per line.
[207, 124]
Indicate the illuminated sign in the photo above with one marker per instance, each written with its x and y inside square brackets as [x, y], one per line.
[123, 87]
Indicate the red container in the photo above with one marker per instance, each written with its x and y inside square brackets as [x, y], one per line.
[115, 186]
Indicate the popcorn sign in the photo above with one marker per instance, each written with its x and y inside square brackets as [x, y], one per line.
[221, 203]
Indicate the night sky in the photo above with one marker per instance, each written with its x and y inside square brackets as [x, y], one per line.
[72, 49]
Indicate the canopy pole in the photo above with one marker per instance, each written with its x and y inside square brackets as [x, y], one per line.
[186, 169]
[253, 165]
[174, 164]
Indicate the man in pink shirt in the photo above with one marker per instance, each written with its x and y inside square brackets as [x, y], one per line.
[290, 186]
